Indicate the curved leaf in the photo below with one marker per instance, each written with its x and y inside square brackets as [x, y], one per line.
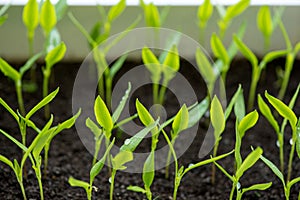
[236, 9]
[205, 67]
[204, 12]
[264, 21]
[247, 122]
[102, 114]
[149, 170]
[261, 186]
[245, 51]
[218, 49]
[121, 105]
[121, 159]
[217, 117]
[180, 121]
[9, 71]
[31, 15]
[172, 59]
[143, 113]
[116, 10]
[48, 16]
[55, 55]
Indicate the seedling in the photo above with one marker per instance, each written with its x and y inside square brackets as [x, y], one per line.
[204, 13]
[256, 67]
[152, 16]
[249, 161]
[289, 116]
[227, 15]
[163, 71]
[41, 141]
[3, 16]
[290, 58]
[100, 32]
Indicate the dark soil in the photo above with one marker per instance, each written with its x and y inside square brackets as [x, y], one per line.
[68, 157]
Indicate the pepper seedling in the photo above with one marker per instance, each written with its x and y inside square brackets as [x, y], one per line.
[204, 13]
[152, 16]
[227, 15]
[249, 161]
[256, 67]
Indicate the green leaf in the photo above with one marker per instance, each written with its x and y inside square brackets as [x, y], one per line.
[151, 62]
[6, 161]
[271, 56]
[136, 189]
[61, 8]
[247, 122]
[236, 9]
[239, 106]
[117, 65]
[9, 109]
[19, 144]
[245, 51]
[4, 9]
[224, 171]
[250, 160]
[42, 103]
[9, 71]
[31, 15]
[48, 16]
[273, 167]
[264, 21]
[55, 55]
[116, 10]
[3, 19]
[152, 16]
[204, 12]
[121, 159]
[298, 138]
[29, 63]
[266, 111]
[99, 165]
[102, 114]
[143, 113]
[217, 117]
[78, 183]
[181, 120]
[149, 170]
[132, 143]
[93, 127]
[66, 124]
[205, 67]
[53, 40]
[196, 113]
[261, 186]
[233, 101]
[282, 109]
[121, 105]
[172, 59]
[218, 49]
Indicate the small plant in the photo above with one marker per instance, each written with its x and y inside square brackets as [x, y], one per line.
[161, 72]
[227, 15]
[100, 32]
[40, 142]
[256, 67]
[204, 13]
[289, 116]
[3, 16]
[249, 161]
[152, 16]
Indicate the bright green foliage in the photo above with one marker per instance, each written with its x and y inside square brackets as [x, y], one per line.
[220, 52]
[217, 117]
[249, 161]
[161, 71]
[48, 17]
[152, 16]
[230, 13]
[31, 18]
[265, 24]
[103, 116]
[204, 13]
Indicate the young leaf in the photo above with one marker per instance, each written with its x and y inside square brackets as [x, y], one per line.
[152, 16]
[143, 113]
[204, 12]
[117, 65]
[150, 60]
[53, 40]
[181, 120]
[121, 105]
[66, 124]
[121, 159]
[42, 103]
[217, 116]
[60, 9]
[99, 165]
[78, 183]
[205, 67]
[9, 109]
[48, 16]
[250, 160]
[93, 127]
[6, 161]
[116, 10]
[271, 56]
[29, 63]
[261, 186]
[298, 138]
[136, 189]
[31, 16]
[172, 59]
[233, 101]
[55, 55]
[218, 49]
[239, 106]
[236, 9]
[247, 122]
[245, 51]
[196, 113]
[149, 170]
[9, 71]
[266, 111]
[264, 21]
[132, 143]
[102, 114]
[19, 144]
[282, 109]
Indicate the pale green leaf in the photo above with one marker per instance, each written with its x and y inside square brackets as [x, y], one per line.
[6, 161]
[78, 183]
[102, 114]
[239, 107]
[205, 67]
[204, 12]
[172, 59]
[298, 138]
[264, 21]
[31, 15]
[121, 105]
[245, 51]
[136, 189]
[181, 120]
[29, 63]
[196, 113]
[217, 117]
[121, 159]
[9, 71]
[233, 101]
[247, 122]
[9, 109]
[55, 55]
[93, 127]
[149, 170]
[48, 16]
[261, 186]
[61, 8]
[275, 170]
[143, 113]
[116, 10]
[272, 56]
[218, 49]
[236, 9]
[152, 16]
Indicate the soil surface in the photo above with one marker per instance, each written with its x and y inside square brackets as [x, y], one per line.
[68, 156]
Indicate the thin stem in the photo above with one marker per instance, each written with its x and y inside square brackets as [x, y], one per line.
[155, 93]
[291, 160]
[112, 183]
[232, 191]
[253, 86]
[108, 85]
[288, 68]
[46, 73]
[23, 190]
[20, 97]
[281, 151]
[168, 160]
[213, 167]
[46, 152]
[97, 148]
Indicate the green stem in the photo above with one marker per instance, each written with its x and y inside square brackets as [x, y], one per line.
[108, 84]
[155, 93]
[232, 191]
[20, 181]
[291, 160]
[37, 169]
[46, 152]
[168, 160]
[31, 52]
[97, 148]
[148, 193]
[20, 97]
[213, 168]
[46, 73]
[281, 151]
[252, 92]
[288, 68]
[238, 195]
[107, 142]
[112, 183]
